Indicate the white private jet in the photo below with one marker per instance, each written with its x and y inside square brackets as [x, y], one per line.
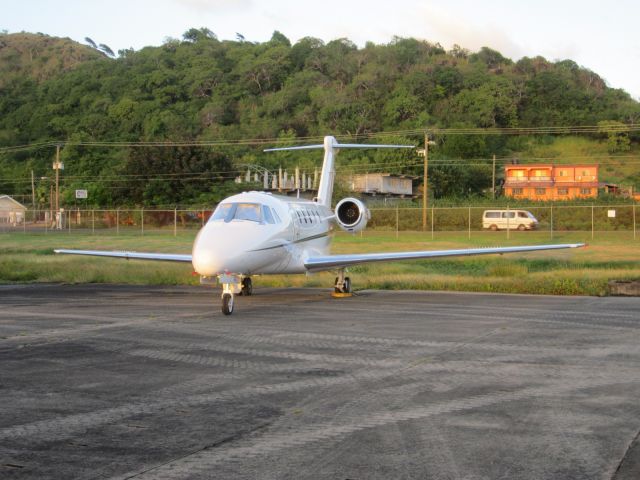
[257, 233]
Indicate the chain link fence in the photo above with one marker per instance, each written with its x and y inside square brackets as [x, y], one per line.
[590, 219]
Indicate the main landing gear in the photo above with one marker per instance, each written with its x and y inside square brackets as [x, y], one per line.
[233, 285]
[342, 287]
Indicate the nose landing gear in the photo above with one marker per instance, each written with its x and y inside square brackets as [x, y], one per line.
[231, 285]
[227, 303]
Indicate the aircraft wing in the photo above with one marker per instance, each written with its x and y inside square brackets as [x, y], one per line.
[331, 262]
[166, 257]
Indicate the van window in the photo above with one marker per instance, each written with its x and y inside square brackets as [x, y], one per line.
[508, 214]
[492, 214]
[523, 215]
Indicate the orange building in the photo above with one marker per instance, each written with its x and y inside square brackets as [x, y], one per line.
[551, 182]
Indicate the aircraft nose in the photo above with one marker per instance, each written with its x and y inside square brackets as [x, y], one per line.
[208, 253]
[224, 248]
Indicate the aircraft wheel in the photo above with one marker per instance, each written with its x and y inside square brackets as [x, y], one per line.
[347, 285]
[247, 286]
[227, 303]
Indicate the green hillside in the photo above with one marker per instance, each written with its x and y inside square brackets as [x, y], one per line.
[39, 57]
[202, 89]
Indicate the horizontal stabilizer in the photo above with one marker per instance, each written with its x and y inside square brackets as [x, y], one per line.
[337, 145]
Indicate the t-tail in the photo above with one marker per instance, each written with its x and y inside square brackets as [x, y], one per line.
[327, 177]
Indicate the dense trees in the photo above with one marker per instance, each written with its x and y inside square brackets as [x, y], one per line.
[201, 88]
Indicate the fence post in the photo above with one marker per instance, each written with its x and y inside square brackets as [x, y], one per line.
[93, 221]
[118, 221]
[469, 223]
[508, 225]
[551, 228]
[432, 217]
[175, 222]
[142, 220]
[592, 222]
[397, 221]
[634, 220]
[203, 217]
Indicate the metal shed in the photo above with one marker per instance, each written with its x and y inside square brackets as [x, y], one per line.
[12, 212]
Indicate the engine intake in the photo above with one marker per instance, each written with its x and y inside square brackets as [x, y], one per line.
[351, 215]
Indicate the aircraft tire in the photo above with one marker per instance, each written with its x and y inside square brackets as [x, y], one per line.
[227, 304]
[247, 287]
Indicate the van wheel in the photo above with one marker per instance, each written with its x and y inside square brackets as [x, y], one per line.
[521, 227]
[493, 227]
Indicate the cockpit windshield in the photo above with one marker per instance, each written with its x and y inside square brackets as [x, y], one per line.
[253, 212]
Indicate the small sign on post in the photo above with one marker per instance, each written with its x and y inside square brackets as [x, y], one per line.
[611, 213]
[81, 194]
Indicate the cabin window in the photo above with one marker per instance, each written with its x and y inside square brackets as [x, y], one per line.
[276, 216]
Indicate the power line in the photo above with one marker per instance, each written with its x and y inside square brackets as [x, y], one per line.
[556, 130]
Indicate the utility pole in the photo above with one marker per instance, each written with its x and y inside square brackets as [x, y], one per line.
[33, 192]
[425, 179]
[57, 166]
[493, 182]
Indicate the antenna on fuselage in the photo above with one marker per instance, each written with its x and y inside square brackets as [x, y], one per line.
[327, 176]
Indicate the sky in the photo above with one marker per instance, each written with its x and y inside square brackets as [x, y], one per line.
[602, 37]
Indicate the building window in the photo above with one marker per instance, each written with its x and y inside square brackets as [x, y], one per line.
[585, 191]
[562, 173]
[541, 191]
[563, 191]
[517, 191]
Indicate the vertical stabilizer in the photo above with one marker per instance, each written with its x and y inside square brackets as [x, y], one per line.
[328, 174]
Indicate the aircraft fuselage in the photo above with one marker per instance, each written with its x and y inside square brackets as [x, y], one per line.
[260, 233]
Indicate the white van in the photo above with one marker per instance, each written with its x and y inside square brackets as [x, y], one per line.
[509, 219]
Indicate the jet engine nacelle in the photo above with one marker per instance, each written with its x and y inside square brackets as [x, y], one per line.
[351, 215]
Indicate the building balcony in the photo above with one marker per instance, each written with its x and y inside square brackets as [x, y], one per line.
[529, 182]
[575, 184]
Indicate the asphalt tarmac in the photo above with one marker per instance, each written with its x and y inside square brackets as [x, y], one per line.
[154, 382]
